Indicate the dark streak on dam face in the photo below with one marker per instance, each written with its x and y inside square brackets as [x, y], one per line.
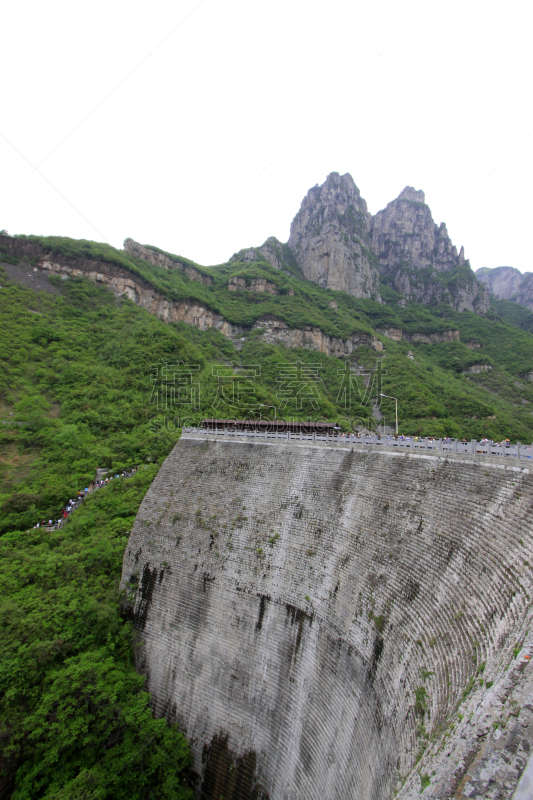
[335, 625]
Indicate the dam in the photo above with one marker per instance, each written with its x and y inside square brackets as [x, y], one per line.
[338, 623]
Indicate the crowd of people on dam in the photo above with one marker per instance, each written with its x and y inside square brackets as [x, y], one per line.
[428, 439]
[74, 503]
[448, 440]
[306, 429]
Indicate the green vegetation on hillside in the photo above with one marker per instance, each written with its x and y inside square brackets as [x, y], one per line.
[75, 719]
[77, 392]
[513, 313]
[240, 308]
[299, 302]
[74, 393]
[76, 382]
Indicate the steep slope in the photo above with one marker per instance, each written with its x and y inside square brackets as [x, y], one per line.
[230, 298]
[330, 238]
[339, 245]
[507, 283]
[454, 373]
[275, 253]
[75, 718]
[513, 313]
[502, 282]
[418, 258]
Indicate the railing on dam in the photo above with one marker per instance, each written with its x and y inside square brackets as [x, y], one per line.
[473, 447]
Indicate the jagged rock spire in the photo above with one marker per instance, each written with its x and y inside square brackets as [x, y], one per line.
[339, 245]
[411, 248]
[412, 195]
[330, 238]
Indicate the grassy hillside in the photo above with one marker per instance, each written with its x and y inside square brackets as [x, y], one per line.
[75, 719]
[308, 305]
[513, 313]
[76, 386]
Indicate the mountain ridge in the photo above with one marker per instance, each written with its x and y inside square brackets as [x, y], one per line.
[284, 308]
[338, 244]
[508, 283]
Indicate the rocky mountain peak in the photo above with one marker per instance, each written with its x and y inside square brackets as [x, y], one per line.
[411, 249]
[508, 283]
[412, 195]
[336, 188]
[336, 243]
[502, 282]
[337, 201]
[330, 238]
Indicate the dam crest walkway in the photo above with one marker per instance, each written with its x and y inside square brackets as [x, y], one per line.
[427, 446]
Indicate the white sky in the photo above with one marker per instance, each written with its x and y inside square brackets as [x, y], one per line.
[199, 126]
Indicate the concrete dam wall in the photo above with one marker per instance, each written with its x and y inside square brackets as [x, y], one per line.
[327, 624]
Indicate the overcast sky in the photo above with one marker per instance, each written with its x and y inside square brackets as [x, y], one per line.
[199, 125]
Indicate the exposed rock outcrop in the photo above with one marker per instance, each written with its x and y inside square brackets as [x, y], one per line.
[330, 238]
[312, 338]
[339, 245]
[248, 255]
[502, 282]
[194, 313]
[127, 284]
[256, 285]
[162, 260]
[398, 335]
[405, 232]
[477, 369]
[432, 338]
[508, 283]
[413, 252]
[139, 291]
[525, 292]
[274, 252]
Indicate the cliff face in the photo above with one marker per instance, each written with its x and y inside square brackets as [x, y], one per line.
[315, 617]
[162, 260]
[507, 283]
[277, 254]
[312, 338]
[339, 245]
[502, 282]
[404, 232]
[128, 284]
[330, 238]
[398, 335]
[415, 254]
[525, 293]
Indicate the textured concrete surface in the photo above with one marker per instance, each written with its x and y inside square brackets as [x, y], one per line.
[524, 790]
[331, 624]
